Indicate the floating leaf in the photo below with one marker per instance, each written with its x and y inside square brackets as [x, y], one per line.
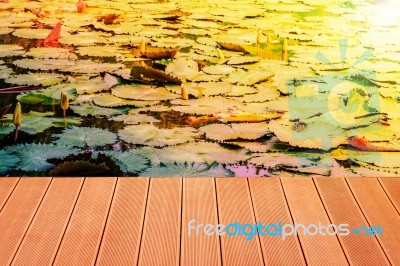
[129, 161]
[250, 77]
[143, 92]
[36, 79]
[222, 132]
[182, 68]
[9, 50]
[83, 40]
[43, 64]
[198, 152]
[35, 122]
[94, 85]
[109, 100]
[153, 136]
[5, 30]
[134, 119]
[33, 157]
[31, 33]
[50, 52]
[315, 136]
[50, 96]
[81, 137]
[91, 67]
[101, 51]
[96, 111]
[206, 106]
[172, 42]
[8, 161]
[218, 69]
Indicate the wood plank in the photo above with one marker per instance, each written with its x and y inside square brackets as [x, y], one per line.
[199, 203]
[306, 208]
[379, 211]
[392, 188]
[161, 233]
[18, 213]
[121, 240]
[84, 232]
[270, 207]
[343, 209]
[234, 205]
[45, 233]
[7, 185]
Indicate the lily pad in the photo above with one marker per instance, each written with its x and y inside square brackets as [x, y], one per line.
[153, 136]
[36, 79]
[222, 132]
[142, 92]
[81, 137]
[33, 157]
[109, 100]
[8, 161]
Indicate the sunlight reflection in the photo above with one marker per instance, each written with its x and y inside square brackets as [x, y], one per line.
[385, 13]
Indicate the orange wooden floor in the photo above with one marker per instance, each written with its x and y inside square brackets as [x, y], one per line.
[144, 221]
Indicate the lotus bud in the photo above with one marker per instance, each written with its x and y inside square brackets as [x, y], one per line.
[259, 36]
[184, 92]
[64, 103]
[17, 119]
[220, 54]
[269, 54]
[142, 47]
[285, 50]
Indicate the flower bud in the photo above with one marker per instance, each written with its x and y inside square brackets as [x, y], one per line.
[184, 92]
[220, 54]
[64, 103]
[17, 118]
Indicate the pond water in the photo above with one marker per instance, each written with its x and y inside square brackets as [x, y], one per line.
[200, 88]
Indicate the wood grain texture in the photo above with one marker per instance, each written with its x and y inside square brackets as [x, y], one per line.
[7, 186]
[121, 240]
[306, 208]
[392, 188]
[199, 203]
[234, 205]
[84, 232]
[37, 248]
[18, 213]
[270, 207]
[162, 226]
[379, 211]
[343, 209]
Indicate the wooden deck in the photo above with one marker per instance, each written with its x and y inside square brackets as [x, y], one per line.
[144, 221]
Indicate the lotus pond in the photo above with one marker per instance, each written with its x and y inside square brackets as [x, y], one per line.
[199, 88]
